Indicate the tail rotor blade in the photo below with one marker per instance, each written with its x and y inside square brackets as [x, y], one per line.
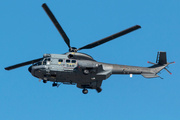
[104, 40]
[167, 70]
[151, 62]
[171, 62]
[57, 25]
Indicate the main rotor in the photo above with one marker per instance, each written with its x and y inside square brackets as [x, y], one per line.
[67, 41]
[91, 45]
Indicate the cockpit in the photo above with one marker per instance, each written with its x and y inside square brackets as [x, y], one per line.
[44, 61]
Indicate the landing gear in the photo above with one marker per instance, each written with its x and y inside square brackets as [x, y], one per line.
[44, 81]
[98, 89]
[54, 84]
[85, 91]
[86, 72]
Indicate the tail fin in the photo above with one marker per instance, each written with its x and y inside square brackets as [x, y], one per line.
[161, 63]
[161, 58]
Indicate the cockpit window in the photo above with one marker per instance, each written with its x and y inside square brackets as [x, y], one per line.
[38, 63]
[46, 60]
[67, 61]
[73, 61]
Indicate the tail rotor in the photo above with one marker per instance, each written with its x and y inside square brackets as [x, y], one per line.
[161, 62]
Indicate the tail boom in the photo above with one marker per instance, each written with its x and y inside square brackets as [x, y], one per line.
[147, 72]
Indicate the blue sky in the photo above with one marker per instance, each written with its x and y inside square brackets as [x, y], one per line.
[27, 33]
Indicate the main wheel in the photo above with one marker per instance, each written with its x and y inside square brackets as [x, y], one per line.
[86, 72]
[85, 91]
[54, 84]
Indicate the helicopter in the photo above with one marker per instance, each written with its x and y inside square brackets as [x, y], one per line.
[80, 69]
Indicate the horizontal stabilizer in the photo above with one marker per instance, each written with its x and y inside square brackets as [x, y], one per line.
[146, 75]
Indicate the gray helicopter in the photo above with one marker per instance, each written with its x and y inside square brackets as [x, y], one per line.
[81, 69]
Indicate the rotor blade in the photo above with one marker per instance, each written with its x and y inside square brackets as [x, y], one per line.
[22, 64]
[151, 62]
[171, 62]
[104, 40]
[57, 25]
[167, 70]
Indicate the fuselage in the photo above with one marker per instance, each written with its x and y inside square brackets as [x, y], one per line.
[72, 67]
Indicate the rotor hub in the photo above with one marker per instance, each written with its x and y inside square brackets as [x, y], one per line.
[73, 49]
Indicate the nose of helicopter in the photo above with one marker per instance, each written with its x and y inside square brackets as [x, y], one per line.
[30, 69]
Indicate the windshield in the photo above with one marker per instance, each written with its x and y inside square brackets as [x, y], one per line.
[43, 62]
[46, 61]
[38, 63]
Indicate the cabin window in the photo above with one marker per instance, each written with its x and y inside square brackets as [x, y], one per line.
[73, 61]
[67, 61]
[60, 60]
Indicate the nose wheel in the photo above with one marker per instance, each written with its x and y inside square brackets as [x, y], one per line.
[84, 91]
[44, 81]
